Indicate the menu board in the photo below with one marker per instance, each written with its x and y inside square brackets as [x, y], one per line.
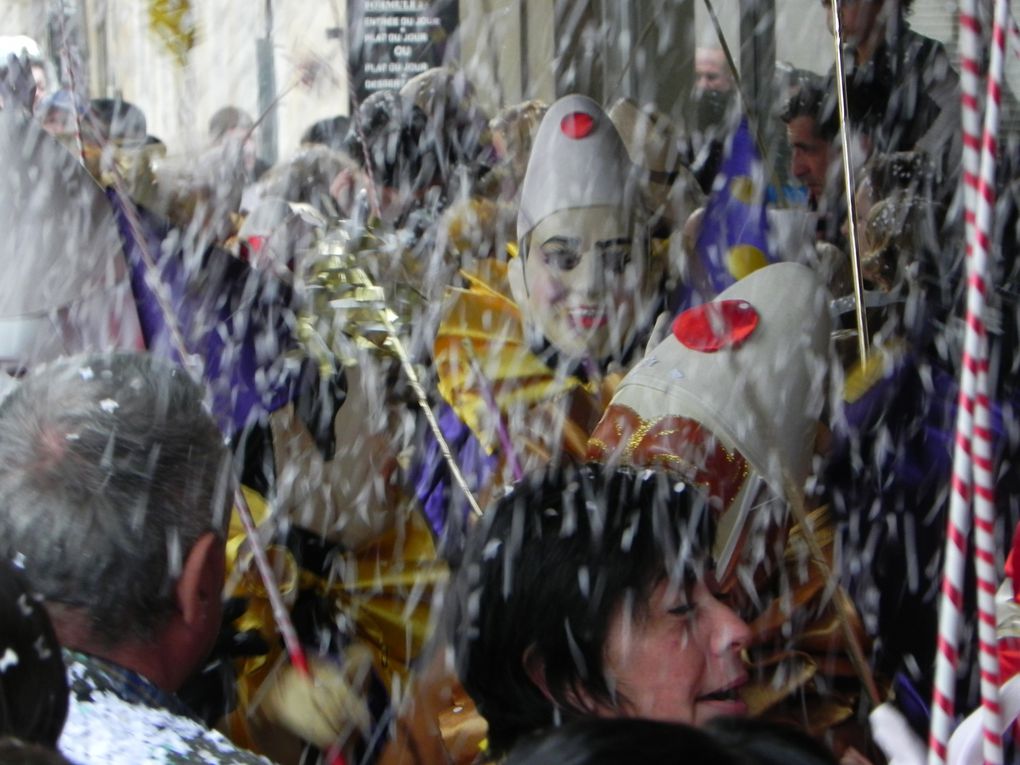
[390, 41]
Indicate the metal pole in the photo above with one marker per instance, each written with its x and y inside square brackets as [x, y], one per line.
[267, 141]
[848, 178]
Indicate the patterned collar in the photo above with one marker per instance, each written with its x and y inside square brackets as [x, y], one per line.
[87, 673]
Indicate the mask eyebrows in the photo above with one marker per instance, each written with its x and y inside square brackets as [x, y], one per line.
[605, 244]
[562, 242]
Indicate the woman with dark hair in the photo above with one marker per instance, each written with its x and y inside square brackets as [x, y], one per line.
[33, 686]
[621, 742]
[589, 592]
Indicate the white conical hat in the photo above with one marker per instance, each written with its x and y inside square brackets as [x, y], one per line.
[749, 367]
[577, 160]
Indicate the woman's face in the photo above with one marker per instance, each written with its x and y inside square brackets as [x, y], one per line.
[680, 662]
[587, 284]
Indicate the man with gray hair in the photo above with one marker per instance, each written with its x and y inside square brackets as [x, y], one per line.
[114, 498]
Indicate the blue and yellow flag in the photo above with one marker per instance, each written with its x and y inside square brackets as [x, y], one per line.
[734, 233]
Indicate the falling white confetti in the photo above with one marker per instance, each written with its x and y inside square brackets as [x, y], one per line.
[42, 650]
[491, 549]
[86, 373]
[8, 660]
[108, 405]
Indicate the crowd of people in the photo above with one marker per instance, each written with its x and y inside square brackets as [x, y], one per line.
[456, 438]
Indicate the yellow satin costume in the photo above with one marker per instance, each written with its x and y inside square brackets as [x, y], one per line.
[494, 380]
[384, 590]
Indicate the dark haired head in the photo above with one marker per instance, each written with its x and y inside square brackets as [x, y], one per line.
[450, 130]
[417, 140]
[812, 101]
[545, 574]
[621, 741]
[226, 119]
[118, 120]
[379, 141]
[726, 741]
[33, 686]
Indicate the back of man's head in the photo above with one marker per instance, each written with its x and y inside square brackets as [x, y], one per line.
[110, 471]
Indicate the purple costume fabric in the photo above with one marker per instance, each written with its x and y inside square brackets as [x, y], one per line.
[237, 320]
[887, 482]
[443, 503]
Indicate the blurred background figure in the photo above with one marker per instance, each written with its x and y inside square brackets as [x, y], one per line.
[60, 114]
[118, 121]
[903, 91]
[654, 145]
[66, 286]
[485, 224]
[712, 72]
[714, 106]
[309, 177]
[27, 52]
[513, 132]
[233, 128]
[330, 132]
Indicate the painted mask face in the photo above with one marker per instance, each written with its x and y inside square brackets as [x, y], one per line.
[587, 284]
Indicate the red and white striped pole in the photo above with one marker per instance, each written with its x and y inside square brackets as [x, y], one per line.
[981, 442]
[973, 452]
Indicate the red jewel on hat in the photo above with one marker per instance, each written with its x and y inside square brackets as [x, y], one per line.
[577, 125]
[251, 246]
[714, 326]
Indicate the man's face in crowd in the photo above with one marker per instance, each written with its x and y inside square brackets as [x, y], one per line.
[711, 71]
[810, 155]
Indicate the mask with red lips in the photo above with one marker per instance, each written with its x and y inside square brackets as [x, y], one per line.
[583, 279]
